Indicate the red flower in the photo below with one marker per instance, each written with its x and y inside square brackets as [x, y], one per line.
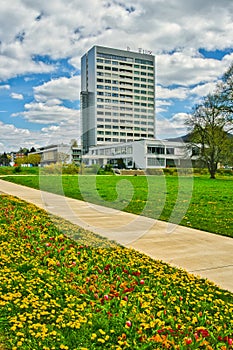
[188, 341]
[128, 323]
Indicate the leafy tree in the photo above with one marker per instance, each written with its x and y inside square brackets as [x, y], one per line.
[225, 92]
[21, 160]
[4, 159]
[24, 150]
[209, 128]
[34, 159]
[211, 124]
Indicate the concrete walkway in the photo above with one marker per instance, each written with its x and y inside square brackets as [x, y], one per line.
[201, 253]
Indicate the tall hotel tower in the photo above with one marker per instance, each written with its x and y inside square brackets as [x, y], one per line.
[117, 96]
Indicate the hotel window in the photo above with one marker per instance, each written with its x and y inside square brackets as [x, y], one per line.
[155, 161]
[170, 150]
[155, 150]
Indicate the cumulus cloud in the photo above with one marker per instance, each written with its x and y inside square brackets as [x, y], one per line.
[36, 33]
[12, 138]
[67, 30]
[62, 88]
[16, 96]
[173, 127]
[188, 68]
[165, 93]
[5, 87]
[42, 113]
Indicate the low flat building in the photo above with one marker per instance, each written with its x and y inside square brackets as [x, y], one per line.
[61, 153]
[141, 154]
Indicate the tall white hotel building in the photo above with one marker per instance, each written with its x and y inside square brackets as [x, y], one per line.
[117, 96]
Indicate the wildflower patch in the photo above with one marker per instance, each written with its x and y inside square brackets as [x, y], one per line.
[62, 287]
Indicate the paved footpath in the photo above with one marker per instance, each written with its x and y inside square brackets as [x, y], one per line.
[204, 254]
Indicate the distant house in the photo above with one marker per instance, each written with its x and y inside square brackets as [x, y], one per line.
[60, 153]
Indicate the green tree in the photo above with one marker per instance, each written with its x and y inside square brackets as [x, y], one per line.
[34, 159]
[4, 159]
[21, 160]
[211, 124]
[209, 128]
[225, 92]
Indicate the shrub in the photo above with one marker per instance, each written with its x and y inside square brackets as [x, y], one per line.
[17, 169]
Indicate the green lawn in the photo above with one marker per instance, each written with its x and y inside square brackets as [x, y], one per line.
[194, 202]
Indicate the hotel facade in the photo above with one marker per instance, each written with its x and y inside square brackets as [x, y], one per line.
[117, 96]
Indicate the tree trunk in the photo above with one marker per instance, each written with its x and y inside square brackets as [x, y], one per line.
[212, 175]
[212, 170]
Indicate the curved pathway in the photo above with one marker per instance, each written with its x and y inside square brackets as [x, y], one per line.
[202, 253]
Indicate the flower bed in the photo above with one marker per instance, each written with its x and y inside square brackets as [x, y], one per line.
[62, 287]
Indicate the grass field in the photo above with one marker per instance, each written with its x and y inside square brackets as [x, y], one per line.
[194, 202]
[69, 289]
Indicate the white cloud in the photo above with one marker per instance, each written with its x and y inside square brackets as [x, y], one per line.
[59, 30]
[62, 88]
[203, 89]
[42, 113]
[173, 30]
[173, 127]
[188, 68]
[16, 96]
[5, 87]
[12, 138]
[165, 93]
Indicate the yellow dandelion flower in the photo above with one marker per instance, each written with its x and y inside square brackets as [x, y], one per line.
[100, 340]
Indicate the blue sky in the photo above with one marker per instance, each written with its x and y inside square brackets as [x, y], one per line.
[41, 43]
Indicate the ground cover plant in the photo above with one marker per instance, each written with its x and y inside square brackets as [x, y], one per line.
[62, 287]
[9, 170]
[209, 208]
